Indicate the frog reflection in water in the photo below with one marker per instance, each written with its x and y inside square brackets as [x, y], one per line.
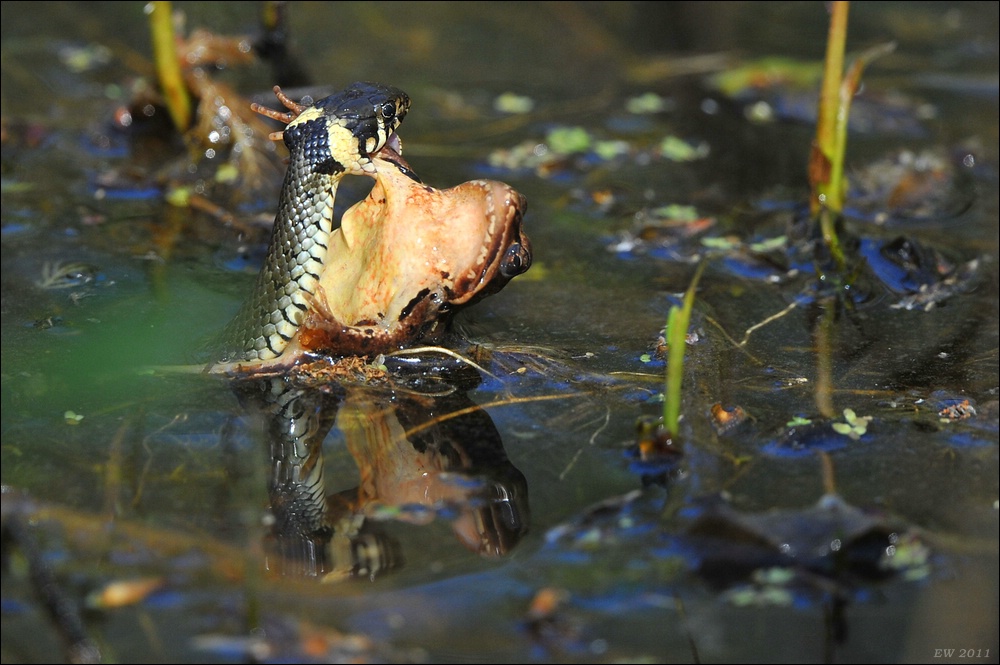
[411, 470]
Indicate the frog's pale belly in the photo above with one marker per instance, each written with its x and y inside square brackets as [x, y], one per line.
[408, 240]
[407, 257]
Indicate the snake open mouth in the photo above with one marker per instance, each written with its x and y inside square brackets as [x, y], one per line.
[392, 152]
[394, 143]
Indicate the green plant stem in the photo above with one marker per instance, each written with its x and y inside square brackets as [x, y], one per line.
[678, 321]
[168, 67]
[828, 225]
[830, 113]
[675, 372]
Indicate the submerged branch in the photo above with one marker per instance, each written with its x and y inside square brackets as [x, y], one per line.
[18, 531]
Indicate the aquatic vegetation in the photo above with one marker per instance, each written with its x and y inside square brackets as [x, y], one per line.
[510, 102]
[678, 150]
[678, 321]
[168, 68]
[826, 163]
[854, 426]
[222, 142]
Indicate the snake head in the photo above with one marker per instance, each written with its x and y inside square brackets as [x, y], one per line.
[339, 134]
[371, 111]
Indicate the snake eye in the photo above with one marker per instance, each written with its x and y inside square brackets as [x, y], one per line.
[387, 110]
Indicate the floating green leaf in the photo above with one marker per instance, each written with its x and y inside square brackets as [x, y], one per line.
[510, 102]
[568, 140]
[854, 427]
[676, 212]
[679, 150]
[649, 102]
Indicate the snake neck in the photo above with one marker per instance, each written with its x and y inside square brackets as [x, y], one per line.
[270, 317]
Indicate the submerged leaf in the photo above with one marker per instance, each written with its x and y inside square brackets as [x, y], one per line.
[124, 592]
[830, 538]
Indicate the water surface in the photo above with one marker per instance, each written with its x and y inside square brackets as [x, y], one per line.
[773, 540]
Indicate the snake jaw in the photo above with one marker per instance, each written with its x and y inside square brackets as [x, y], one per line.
[394, 143]
[391, 153]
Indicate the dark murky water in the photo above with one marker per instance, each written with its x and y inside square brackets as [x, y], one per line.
[530, 529]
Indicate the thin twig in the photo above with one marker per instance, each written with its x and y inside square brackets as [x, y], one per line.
[471, 409]
[440, 349]
[760, 324]
[593, 437]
